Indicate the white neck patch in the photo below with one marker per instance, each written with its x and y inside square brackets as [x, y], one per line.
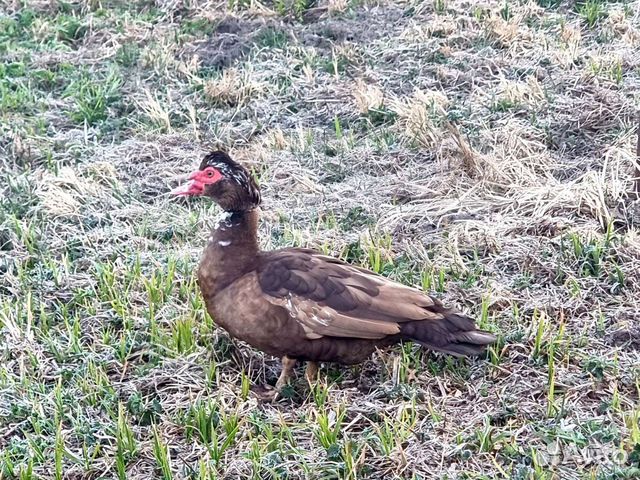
[223, 220]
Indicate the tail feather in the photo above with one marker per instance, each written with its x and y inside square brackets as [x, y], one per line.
[455, 334]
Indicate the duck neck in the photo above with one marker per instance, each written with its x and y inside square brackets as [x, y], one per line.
[232, 248]
[235, 232]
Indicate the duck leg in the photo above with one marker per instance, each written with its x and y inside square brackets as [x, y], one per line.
[311, 372]
[285, 374]
[269, 394]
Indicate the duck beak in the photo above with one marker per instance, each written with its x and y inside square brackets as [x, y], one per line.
[193, 187]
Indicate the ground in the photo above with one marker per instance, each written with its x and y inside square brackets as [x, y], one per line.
[481, 151]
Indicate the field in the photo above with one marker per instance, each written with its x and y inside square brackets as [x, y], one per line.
[483, 151]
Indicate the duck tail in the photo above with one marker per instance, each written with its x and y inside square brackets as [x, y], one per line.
[454, 333]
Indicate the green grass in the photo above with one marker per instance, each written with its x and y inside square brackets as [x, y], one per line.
[92, 95]
[592, 11]
[479, 153]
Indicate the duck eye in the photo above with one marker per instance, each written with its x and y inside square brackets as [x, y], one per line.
[209, 173]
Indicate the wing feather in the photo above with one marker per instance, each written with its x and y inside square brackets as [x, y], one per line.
[331, 298]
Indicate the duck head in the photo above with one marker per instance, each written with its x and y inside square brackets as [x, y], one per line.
[225, 181]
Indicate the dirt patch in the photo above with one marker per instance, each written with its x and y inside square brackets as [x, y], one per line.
[229, 42]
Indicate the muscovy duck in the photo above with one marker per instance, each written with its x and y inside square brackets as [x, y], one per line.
[298, 304]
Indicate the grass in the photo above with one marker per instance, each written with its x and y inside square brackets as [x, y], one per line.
[484, 154]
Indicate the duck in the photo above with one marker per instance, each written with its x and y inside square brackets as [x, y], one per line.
[301, 305]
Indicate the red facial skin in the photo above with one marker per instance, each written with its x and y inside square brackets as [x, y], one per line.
[199, 179]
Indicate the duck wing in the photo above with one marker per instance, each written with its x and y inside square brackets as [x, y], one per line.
[329, 297]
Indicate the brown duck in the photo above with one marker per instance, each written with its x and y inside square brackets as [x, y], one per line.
[298, 304]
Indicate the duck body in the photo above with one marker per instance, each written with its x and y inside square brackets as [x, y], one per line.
[298, 304]
[229, 279]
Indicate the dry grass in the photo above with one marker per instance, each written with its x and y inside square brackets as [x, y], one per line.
[484, 152]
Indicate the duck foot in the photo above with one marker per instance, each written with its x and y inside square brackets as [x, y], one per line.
[270, 394]
[265, 393]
